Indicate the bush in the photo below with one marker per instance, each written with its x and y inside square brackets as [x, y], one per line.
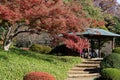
[62, 50]
[110, 74]
[21, 43]
[40, 48]
[38, 76]
[46, 49]
[103, 55]
[116, 50]
[111, 61]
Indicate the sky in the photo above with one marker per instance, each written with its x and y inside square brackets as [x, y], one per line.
[118, 1]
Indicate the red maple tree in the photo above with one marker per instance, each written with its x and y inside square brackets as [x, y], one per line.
[36, 16]
[76, 43]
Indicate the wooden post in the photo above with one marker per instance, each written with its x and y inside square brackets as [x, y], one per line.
[99, 52]
[91, 44]
[113, 43]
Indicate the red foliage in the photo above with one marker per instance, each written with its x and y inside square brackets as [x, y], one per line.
[52, 16]
[56, 41]
[38, 76]
[95, 23]
[75, 43]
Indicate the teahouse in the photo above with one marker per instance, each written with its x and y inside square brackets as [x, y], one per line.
[98, 36]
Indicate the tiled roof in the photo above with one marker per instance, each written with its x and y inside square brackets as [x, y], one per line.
[95, 31]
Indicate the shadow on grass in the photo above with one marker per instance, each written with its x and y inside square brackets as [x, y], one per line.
[3, 57]
[38, 56]
[100, 78]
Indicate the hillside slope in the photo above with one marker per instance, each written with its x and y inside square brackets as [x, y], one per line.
[15, 63]
[109, 6]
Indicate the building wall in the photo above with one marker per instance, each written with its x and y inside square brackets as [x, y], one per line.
[107, 48]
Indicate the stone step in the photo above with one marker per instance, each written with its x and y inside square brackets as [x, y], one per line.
[88, 65]
[81, 72]
[84, 68]
[93, 59]
[77, 72]
[91, 62]
[83, 78]
[83, 75]
[97, 59]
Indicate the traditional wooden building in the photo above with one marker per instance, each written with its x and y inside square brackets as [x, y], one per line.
[97, 37]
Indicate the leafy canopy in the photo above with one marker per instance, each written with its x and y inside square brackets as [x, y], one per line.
[53, 16]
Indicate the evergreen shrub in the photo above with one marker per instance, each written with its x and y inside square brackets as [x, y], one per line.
[116, 50]
[40, 48]
[111, 61]
[110, 74]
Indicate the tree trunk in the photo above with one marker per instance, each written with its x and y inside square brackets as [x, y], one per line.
[8, 39]
[6, 44]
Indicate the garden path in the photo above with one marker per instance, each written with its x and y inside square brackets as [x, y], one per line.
[87, 70]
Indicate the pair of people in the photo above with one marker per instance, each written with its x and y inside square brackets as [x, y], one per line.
[90, 53]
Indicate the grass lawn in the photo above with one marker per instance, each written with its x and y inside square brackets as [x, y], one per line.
[15, 63]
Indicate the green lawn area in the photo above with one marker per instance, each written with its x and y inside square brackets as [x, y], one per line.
[15, 63]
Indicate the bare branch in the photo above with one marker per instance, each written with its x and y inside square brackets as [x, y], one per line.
[26, 31]
[18, 26]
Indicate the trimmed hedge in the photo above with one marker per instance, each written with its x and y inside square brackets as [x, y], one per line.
[111, 61]
[110, 74]
[40, 48]
[116, 50]
[38, 76]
